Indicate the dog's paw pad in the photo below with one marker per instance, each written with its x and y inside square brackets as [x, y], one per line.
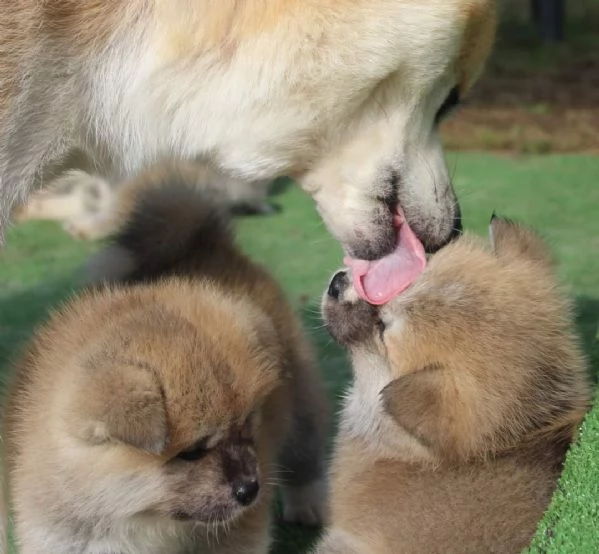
[306, 505]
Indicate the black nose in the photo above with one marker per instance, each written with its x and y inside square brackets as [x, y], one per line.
[245, 492]
[337, 284]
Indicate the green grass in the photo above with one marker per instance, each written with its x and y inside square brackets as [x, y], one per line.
[559, 195]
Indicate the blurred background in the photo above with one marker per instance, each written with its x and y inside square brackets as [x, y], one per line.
[526, 144]
[540, 91]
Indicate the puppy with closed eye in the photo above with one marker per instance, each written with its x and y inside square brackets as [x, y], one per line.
[468, 389]
[155, 415]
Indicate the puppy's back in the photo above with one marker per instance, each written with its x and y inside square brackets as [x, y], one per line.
[168, 223]
[165, 225]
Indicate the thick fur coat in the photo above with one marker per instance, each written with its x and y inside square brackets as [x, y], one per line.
[344, 95]
[468, 389]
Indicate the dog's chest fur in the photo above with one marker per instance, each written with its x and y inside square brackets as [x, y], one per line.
[363, 417]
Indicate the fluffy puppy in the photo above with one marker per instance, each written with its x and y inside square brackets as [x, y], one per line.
[343, 95]
[154, 415]
[468, 390]
[85, 203]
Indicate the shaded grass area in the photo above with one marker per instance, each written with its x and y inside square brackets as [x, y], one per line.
[559, 195]
[535, 97]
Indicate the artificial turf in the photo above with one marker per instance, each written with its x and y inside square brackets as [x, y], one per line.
[559, 195]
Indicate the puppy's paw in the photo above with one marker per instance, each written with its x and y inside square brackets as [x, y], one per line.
[306, 505]
[78, 229]
[88, 228]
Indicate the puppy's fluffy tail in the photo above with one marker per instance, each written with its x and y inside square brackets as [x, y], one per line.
[165, 219]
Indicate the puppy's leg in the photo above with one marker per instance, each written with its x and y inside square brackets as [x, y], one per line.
[304, 493]
[51, 205]
[91, 227]
[336, 541]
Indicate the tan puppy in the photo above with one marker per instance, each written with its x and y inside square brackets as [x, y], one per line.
[468, 390]
[345, 95]
[147, 417]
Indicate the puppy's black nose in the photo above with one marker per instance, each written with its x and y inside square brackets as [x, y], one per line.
[337, 284]
[245, 492]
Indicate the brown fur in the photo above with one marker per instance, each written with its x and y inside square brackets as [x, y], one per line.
[468, 390]
[193, 345]
[477, 43]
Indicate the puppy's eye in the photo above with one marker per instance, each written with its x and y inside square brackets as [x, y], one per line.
[452, 100]
[195, 452]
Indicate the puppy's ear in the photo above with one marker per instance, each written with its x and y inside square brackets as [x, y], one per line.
[122, 402]
[513, 239]
[415, 401]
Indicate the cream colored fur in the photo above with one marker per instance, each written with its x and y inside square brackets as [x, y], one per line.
[190, 344]
[340, 94]
[86, 204]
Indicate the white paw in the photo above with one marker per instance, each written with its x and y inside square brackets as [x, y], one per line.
[78, 229]
[88, 228]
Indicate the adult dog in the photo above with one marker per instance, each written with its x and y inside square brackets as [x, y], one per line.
[344, 95]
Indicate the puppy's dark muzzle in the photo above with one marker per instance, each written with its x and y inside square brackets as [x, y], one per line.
[338, 284]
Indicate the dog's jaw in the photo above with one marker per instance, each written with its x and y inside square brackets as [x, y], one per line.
[358, 186]
[357, 153]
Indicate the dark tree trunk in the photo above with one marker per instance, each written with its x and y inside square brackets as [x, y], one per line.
[550, 16]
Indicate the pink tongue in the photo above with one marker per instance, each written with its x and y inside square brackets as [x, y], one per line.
[379, 281]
